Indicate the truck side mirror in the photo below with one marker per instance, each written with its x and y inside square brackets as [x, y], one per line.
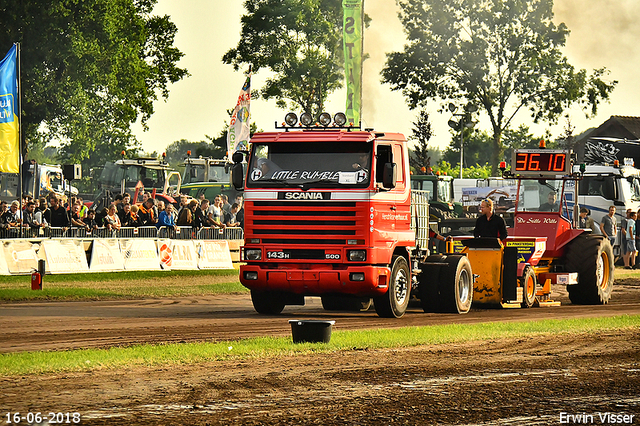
[389, 175]
[237, 177]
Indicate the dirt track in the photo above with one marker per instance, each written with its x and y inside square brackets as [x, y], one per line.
[526, 381]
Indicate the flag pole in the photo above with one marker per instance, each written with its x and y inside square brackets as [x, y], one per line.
[21, 160]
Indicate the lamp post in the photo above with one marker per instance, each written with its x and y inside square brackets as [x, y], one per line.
[466, 116]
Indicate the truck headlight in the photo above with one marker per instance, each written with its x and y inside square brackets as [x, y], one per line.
[253, 254]
[357, 255]
[356, 276]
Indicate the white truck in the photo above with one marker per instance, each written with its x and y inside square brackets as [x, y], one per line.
[603, 186]
[45, 178]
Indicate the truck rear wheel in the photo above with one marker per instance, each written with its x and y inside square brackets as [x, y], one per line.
[528, 282]
[393, 304]
[428, 282]
[267, 303]
[592, 258]
[456, 285]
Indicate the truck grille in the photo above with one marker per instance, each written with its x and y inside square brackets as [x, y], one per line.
[290, 223]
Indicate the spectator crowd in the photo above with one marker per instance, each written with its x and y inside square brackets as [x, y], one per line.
[52, 212]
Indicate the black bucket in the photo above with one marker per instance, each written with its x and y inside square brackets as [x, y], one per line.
[313, 331]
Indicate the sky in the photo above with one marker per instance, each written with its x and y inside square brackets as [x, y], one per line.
[604, 33]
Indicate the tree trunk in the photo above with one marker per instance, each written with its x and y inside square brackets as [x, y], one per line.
[497, 152]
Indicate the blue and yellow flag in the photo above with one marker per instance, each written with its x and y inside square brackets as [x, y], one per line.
[9, 139]
[352, 38]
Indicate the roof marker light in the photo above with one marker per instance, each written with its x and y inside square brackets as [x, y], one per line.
[291, 119]
[325, 119]
[306, 119]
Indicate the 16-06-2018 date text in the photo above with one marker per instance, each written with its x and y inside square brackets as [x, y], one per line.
[36, 418]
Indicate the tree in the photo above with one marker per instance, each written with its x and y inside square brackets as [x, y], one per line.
[300, 42]
[420, 156]
[215, 148]
[89, 70]
[476, 142]
[473, 172]
[503, 56]
[211, 147]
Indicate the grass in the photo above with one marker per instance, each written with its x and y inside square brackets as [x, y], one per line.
[122, 285]
[190, 353]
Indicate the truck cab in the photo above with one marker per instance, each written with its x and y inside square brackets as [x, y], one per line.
[205, 169]
[135, 174]
[208, 177]
[607, 185]
[46, 179]
[327, 213]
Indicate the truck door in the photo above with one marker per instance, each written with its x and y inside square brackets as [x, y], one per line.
[387, 211]
[401, 190]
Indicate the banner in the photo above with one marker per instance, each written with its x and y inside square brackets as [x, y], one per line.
[178, 254]
[65, 256]
[9, 140]
[352, 39]
[140, 254]
[213, 254]
[21, 257]
[239, 129]
[106, 255]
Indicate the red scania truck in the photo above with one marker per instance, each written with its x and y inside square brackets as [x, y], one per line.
[328, 213]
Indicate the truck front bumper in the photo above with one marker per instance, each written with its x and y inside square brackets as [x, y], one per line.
[317, 280]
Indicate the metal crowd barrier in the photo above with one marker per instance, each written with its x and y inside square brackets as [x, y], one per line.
[180, 232]
[220, 234]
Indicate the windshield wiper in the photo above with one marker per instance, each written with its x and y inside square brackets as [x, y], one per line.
[283, 182]
[307, 185]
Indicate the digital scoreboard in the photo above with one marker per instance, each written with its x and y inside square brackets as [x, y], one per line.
[541, 162]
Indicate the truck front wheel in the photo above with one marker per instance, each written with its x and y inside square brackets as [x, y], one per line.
[393, 304]
[267, 303]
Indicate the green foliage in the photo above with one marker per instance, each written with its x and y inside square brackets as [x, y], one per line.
[476, 145]
[475, 172]
[300, 42]
[501, 56]
[89, 70]
[215, 148]
[420, 156]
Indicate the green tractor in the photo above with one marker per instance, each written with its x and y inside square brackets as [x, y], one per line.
[442, 204]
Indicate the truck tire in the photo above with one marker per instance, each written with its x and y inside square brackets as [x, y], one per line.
[456, 285]
[528, 283]
[428, 283]
[267, 303]
[346, 303]
[393, 304]
[591, 256]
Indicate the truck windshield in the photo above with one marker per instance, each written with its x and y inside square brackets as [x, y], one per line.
[540, 196]
[631, 188]
[444, 191]
[324, 164]
[194, 173]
